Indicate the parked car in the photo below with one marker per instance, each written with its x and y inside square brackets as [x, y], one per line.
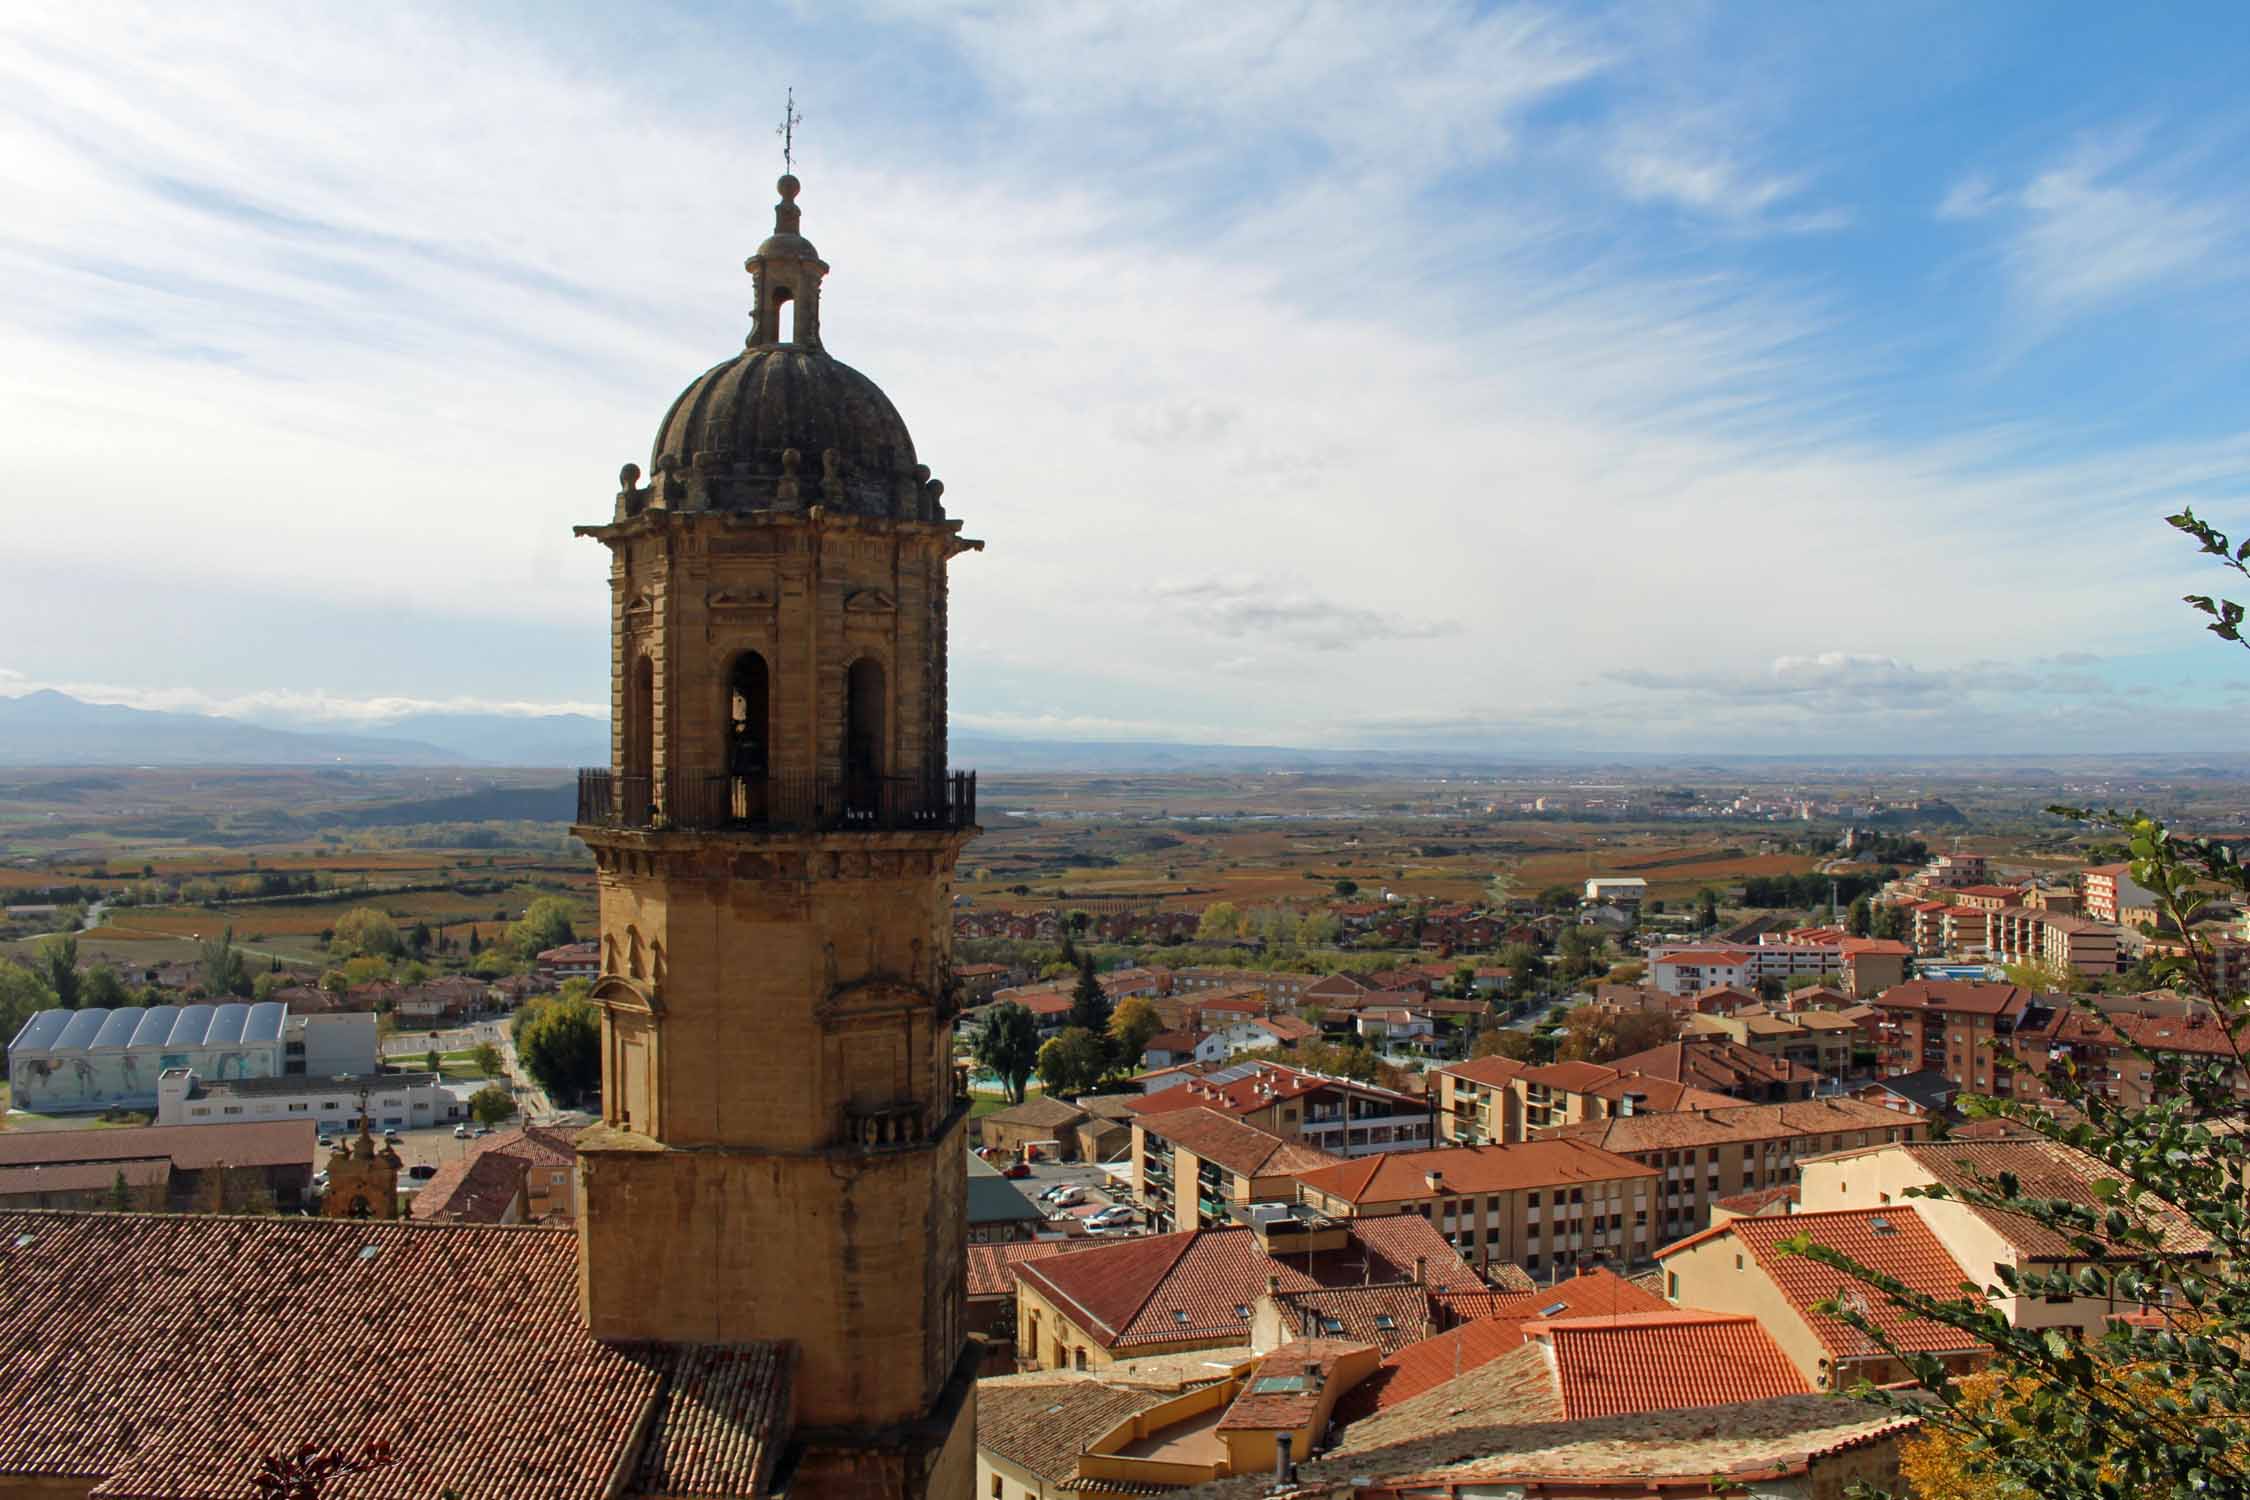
[460, 1132]
[482, 1130]
[422, 1171]
[1015, 1169]
[1111, 1217]
[1068, 1196]
[1054, 1191]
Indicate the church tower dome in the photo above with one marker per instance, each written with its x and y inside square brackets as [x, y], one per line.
[780, 1154]
[784, 424]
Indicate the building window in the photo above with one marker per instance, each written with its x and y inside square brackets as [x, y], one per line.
[1672, 1285]
[298, 1109]
[996, 1487]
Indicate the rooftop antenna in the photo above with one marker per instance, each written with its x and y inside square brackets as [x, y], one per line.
[787, 130]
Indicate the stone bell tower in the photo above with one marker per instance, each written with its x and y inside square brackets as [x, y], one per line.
[780, 1153]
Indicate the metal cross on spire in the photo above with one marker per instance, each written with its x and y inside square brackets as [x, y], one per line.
[787, 130]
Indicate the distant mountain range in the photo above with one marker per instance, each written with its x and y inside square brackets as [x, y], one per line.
[54, 729]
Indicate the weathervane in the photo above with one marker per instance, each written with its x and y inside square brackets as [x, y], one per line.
[787, 130]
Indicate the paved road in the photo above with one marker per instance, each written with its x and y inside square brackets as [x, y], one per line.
[1046, 1174]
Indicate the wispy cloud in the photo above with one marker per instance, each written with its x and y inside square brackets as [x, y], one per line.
[1267, 611]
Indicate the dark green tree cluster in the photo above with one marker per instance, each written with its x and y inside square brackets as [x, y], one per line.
[560, 1042]
[1784, 892]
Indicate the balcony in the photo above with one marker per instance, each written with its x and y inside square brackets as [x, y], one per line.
[779, 804]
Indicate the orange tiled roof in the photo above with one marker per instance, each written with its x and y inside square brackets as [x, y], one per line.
[162, 1354]
[1660, 1361]
[1492, 1072]
[476, 1190]
[1311, 1360]
[1196, 1286]
[1396, 1176]
[2043, 1169]
[992, 1268]
[1240, 1148]
[1389, 1317]
[1892, 1240]
[1745, 1122]
[190, 1148]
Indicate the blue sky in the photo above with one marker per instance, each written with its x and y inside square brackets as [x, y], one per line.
[1659, 377]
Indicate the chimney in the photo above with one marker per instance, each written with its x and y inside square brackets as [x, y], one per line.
[1283, 1469]
[1435, 1179]
[1421, 1270]
[1273, 1285]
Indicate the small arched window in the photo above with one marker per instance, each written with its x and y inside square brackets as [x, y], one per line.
[784, 316]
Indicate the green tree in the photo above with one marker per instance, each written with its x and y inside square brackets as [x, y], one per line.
[1888, 923]
[1594, 1034]
[1317, 930]
[1346, 888]
[432, 1062]
[1131, 1025]
[2159, 1406]
[491, 1104]
[545, 924]
[1220, 923]
[225, 971]
[562, 1049]
[103, 988]
[1559, 898]
[488, 1060]
[1707, 908]
[1089, 1002]
[364, 930]
[58, 965]
[1008, 1046]
[1073, 1061]
[1859, 917]
[1498, 1041]
[418, 940]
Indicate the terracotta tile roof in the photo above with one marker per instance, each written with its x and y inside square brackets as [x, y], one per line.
[1965, 997]
[1254, 1091]
[1662, 1095]
[1174, 1041]
[84, 1177]
[1309, 1363]
[1400, 1176]
[480, 1189]
[1194, 1286]
[1515, 1388]
[1661, 1361]
[1043, 1427]
[1389, 1317]
[1238, 1147]
[1760, 1201]
[992, 1268]
[167, 1354]
[715, 1427]
[1507, 1276]
[190, 1148]
[1716, 1064]
[1745, 1122]
[1683, 1455]
[1494, 1326]
[2043, 1169]
[1041, 1113]
[538, 1145]
[1491, 1072]
[1892, 1240]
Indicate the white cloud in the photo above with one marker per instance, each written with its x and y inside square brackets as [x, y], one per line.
[1972, 197]
[355, 307]
[280, 707]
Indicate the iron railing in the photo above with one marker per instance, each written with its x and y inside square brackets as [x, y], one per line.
[779, 804]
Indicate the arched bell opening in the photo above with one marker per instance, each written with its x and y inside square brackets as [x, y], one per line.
[749, 746]
[865, 709]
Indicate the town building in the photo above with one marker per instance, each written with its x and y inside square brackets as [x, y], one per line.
[1548, 1206]
[1880, 1177]
[66, 1061]
[990, 1292]
[1497, 1100]
[1706, 1155]
[1717, 1064]
[1952, 1027]
[1745, 1266]
[1341, 1116]
[1619, 890]
[1202, 1169]
[163, 1166]
[2109, 890]
[998, 1213]
[1178, 1293]
[393, 1101]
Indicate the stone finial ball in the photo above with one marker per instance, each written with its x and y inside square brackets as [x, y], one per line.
[629, 476]
[788, 185]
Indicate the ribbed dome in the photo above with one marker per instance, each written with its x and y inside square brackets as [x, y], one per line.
[731, 428]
